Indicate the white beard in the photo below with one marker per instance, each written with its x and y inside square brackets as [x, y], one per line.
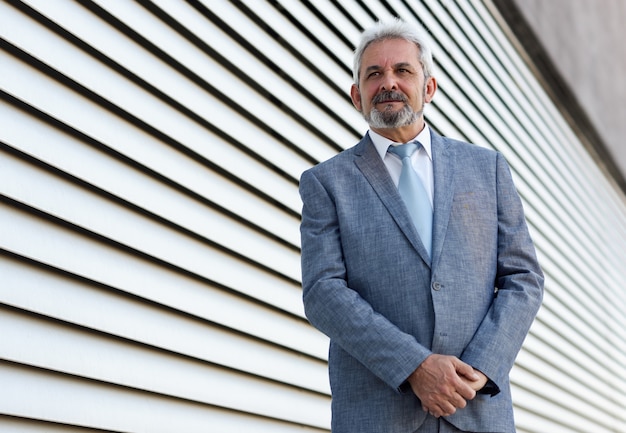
[389, 119]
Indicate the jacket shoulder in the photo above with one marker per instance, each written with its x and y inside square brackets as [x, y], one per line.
[464, 146]
[339, 162]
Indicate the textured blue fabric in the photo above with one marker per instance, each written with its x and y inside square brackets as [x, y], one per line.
[414, 194]
[370, 285]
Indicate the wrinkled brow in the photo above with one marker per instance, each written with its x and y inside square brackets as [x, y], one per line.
[374, 68]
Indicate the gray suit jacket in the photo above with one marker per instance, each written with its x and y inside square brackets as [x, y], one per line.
[369, 285]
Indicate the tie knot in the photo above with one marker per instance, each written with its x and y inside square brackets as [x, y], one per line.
[404, 150]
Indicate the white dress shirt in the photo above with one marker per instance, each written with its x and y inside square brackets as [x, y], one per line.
[422, 159]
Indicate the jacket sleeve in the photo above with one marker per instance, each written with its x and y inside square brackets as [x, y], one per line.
[518, 285]
[337, 310]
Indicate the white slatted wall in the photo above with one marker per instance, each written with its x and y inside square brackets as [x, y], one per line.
[149, 245]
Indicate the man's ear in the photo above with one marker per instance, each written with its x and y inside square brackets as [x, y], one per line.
[429, 89]
[355, 94]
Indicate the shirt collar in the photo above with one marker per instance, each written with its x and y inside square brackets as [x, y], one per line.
[382, 143]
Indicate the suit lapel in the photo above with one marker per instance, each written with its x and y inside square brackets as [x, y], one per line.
[374, 170]
[443, 174]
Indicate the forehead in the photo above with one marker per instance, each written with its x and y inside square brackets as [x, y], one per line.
[390, 52]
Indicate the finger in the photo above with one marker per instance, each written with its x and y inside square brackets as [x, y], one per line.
[465, 391]
[464, 388]
[445, 409]
[438, 407]
[438, 413]
[458, 401]
[464, 369]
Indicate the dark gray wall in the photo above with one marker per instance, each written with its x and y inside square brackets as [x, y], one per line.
[584, 42]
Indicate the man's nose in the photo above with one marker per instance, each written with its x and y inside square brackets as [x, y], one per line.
[388, 82]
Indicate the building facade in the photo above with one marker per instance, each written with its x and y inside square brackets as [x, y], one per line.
[150, 153]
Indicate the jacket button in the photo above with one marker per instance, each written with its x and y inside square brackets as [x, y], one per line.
[437, 286]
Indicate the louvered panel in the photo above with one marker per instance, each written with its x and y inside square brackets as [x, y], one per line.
[139, 276]
[340, 39]
[304, 35]
[574, 307]
[359, 13]
[283, 64]
[114, 177]
[570, 376]
[141, 367]
[91, 403]
[125, 95]
[562, 328]
[501, 92]
[199, 180]
[537, 415]
[107, 310]
[113, 132]
[560, 404]
[120, 225]
[189, 46]
[377, 9]
[568, 213]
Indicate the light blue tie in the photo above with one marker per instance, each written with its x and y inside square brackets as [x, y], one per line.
[414, 194]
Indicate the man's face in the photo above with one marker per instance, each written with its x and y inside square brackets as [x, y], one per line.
[392, 90]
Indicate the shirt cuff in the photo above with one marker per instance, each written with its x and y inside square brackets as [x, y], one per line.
[490, 388]
[405, 387]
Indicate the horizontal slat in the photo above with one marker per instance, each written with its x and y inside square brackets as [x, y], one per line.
[24, 425]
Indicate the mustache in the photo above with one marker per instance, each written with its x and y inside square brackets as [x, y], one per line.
[388, 95]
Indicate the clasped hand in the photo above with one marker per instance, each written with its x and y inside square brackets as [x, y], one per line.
[445, 383]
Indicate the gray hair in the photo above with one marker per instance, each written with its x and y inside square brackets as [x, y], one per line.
[395, 29]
